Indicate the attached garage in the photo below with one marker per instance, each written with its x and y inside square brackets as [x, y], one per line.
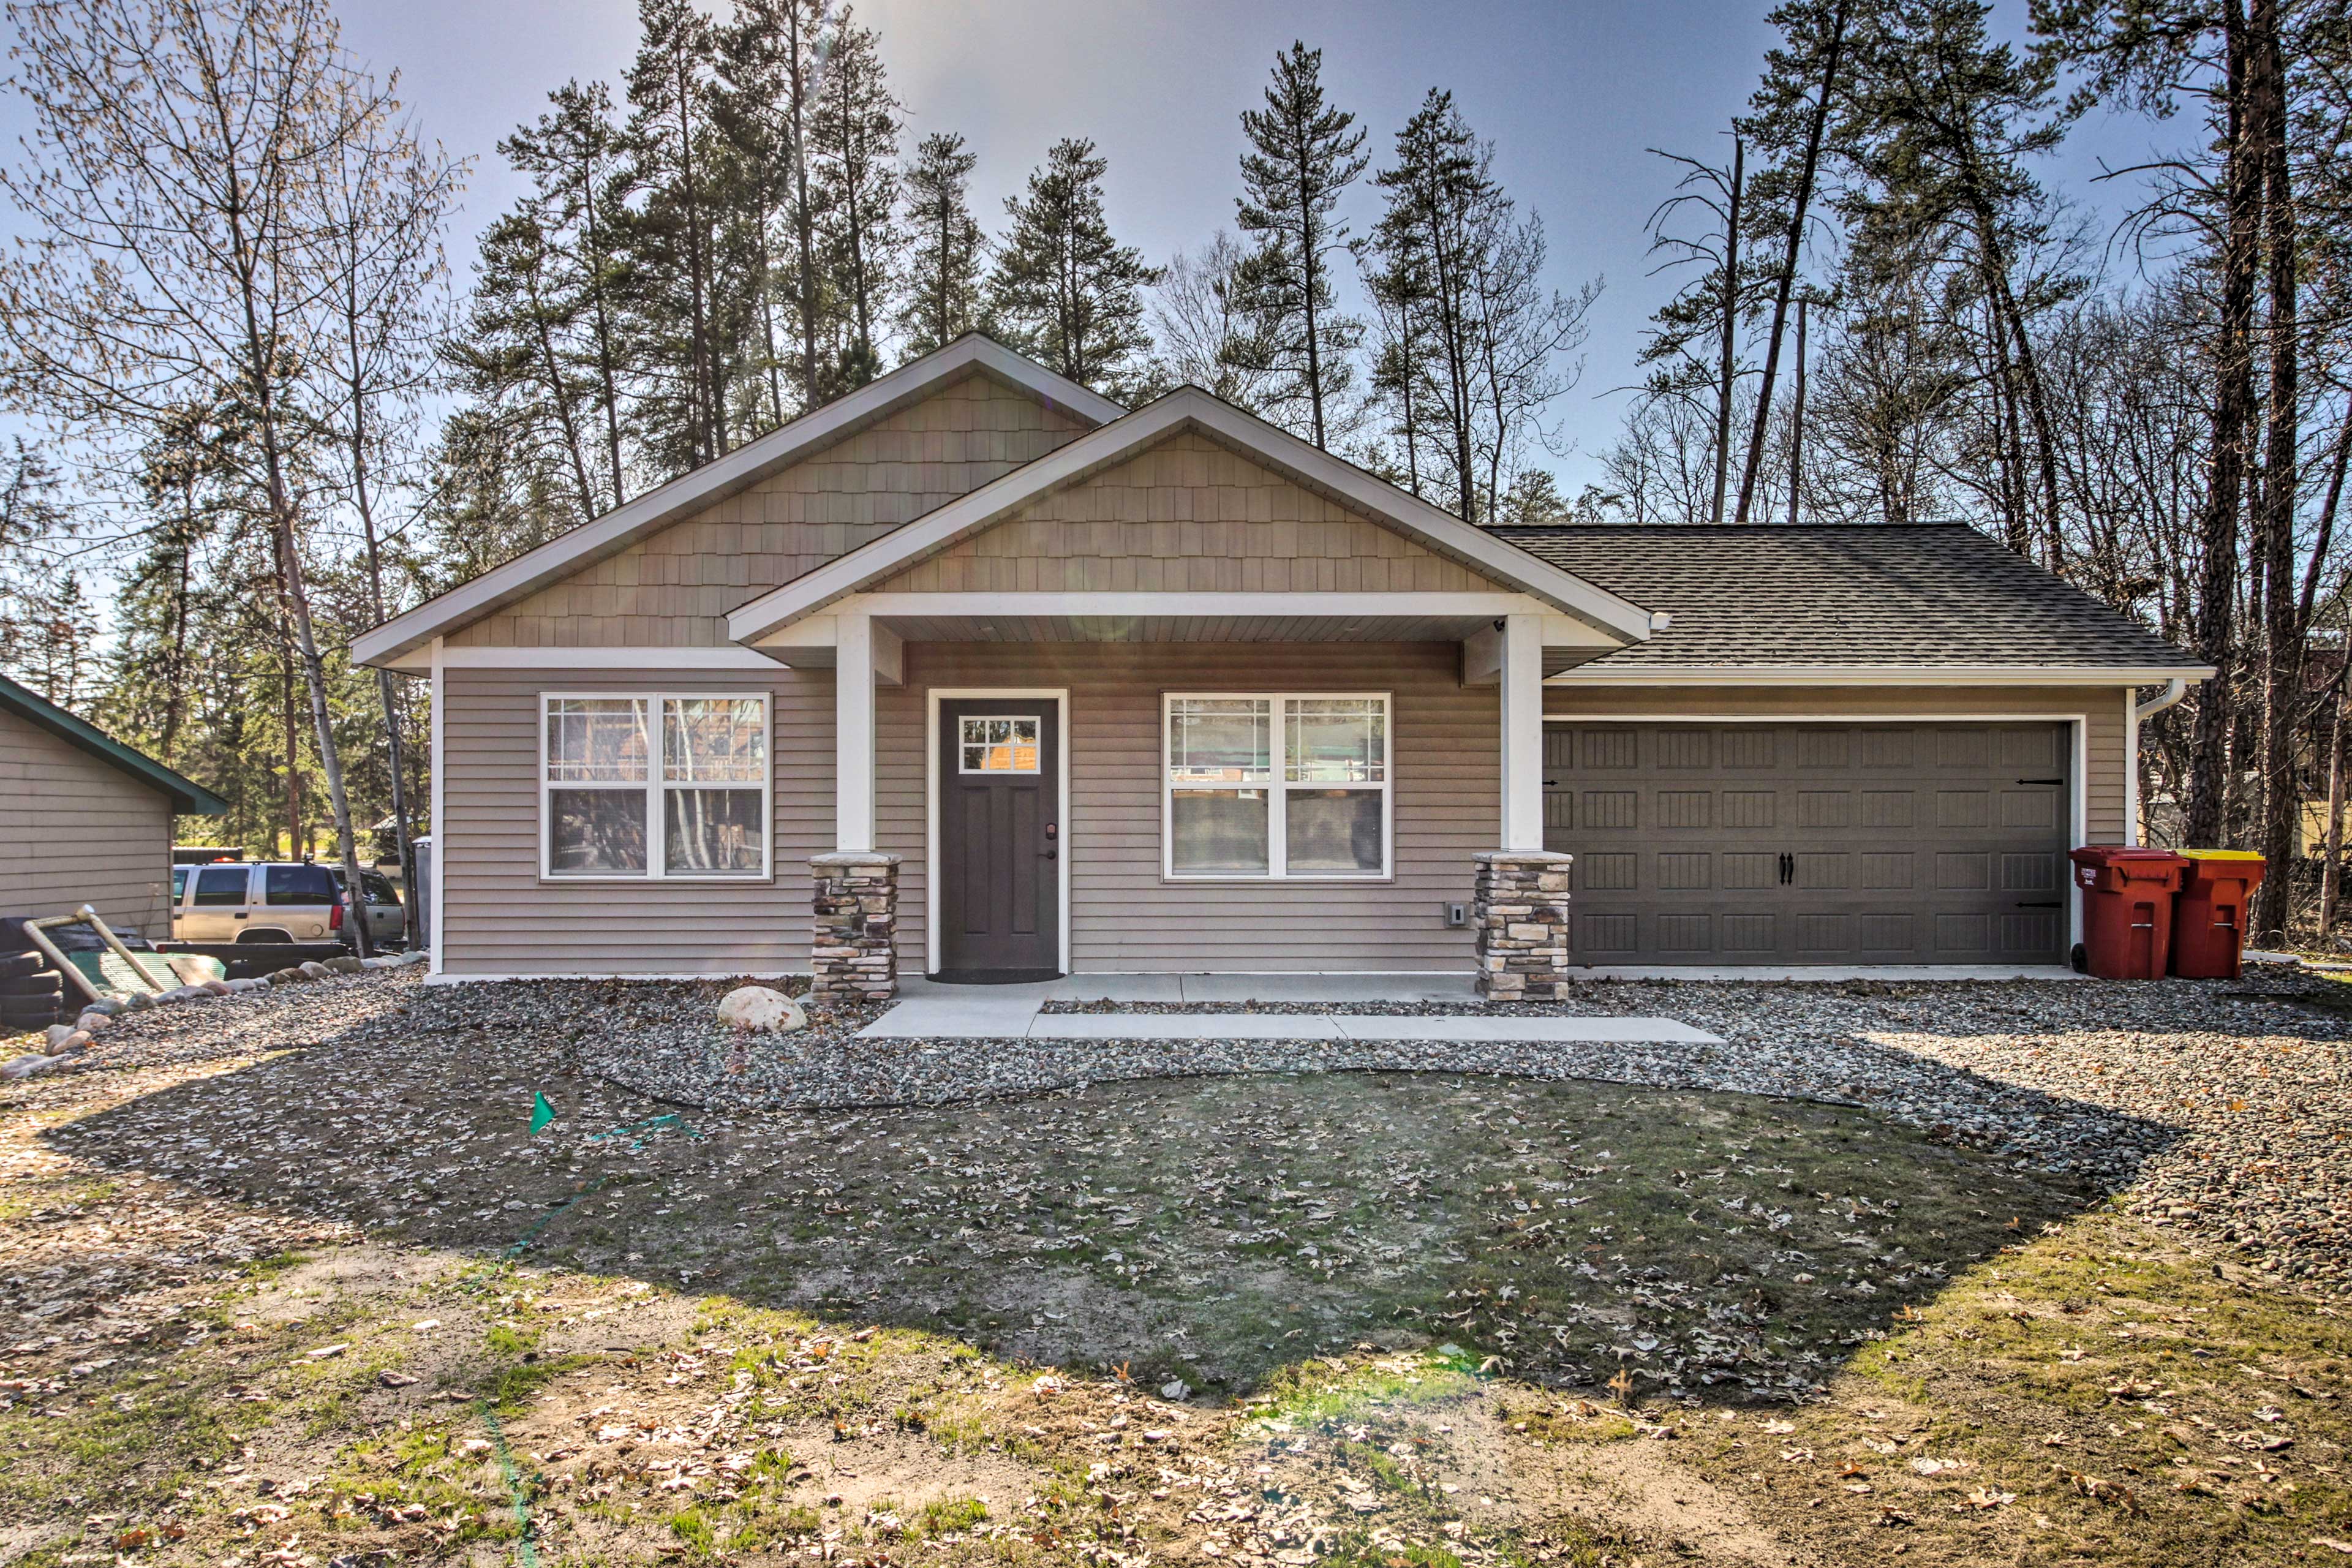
[1895, 842]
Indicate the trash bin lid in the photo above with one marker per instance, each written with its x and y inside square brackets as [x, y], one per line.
[2110, 854]
[2221, 854]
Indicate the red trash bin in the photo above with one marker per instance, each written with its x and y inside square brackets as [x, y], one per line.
[2126, 908]
[2209, 923]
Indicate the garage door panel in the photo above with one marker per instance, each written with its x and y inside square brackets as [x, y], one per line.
[1685, 808]
[1611, 809]
[1686, 871]
[1813, 843]
[1605, 871]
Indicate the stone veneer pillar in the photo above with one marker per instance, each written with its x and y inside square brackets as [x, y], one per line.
[1519, 908]
[853, 950]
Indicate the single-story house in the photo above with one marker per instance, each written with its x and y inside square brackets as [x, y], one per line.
[997, 679]
[85, 819]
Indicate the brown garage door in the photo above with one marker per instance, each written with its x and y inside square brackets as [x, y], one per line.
[1813, 843]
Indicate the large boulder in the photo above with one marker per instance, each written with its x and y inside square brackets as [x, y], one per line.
[756, 1009]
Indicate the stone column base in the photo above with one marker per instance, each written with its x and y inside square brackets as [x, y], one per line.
[1519, 908]
[854, 949]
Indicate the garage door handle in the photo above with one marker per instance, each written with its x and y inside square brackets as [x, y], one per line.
[2042, 780]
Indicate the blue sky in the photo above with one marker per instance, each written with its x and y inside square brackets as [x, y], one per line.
[1573, 93]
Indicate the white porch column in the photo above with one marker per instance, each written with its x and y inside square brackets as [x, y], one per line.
[1522, 723]
[853, 736]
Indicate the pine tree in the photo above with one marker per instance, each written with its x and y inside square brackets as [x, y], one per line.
[582, 180]
[1434, 229]
[1303, 153]
[854, 151]
[676, 235]
[1063, 291]
[941, 291]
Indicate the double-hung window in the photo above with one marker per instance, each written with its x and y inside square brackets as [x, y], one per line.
[655, 786]
[1275, 787]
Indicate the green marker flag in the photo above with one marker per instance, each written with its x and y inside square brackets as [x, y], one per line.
[541, 1113]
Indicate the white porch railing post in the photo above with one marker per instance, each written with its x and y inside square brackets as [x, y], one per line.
[1522, 726]
[853, 736]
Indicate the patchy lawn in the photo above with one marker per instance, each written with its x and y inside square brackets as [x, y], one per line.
[337, 1305]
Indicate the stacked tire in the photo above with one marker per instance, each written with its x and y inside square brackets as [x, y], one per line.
[31, 993]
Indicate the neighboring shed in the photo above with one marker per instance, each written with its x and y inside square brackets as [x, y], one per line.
[84, 819]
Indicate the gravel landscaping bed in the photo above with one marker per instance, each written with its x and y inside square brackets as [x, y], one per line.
[2220, 1108]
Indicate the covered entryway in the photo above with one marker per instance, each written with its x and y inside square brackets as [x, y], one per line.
[1784, 842]
[999, 772]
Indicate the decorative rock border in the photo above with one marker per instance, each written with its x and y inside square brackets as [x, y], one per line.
[67, 1041]
[1519, 909]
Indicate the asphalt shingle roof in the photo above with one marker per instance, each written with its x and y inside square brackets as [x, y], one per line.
[1901, 595]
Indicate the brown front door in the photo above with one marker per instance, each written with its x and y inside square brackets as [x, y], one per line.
[1000, 840]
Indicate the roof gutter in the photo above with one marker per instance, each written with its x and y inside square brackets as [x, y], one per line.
[2174, 690]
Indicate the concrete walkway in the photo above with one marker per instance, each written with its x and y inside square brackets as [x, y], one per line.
[933, 1011]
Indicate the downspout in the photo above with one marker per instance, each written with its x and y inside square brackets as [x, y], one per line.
[2174, 690]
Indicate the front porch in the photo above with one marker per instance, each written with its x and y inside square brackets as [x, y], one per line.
[1456, 884]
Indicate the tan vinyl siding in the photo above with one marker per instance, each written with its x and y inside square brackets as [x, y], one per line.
[2101, 706]
[1125, 916]
[500, 917]
[674, 589]
[1187, 515]
[75, 831]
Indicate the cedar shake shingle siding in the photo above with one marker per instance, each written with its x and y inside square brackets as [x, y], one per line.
[674, 590]
[1186, 516]
[75, 830]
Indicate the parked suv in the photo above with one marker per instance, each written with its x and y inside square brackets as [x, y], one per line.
[277, 901]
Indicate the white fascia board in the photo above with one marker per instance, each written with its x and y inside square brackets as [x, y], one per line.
[605, 658]
[1600, 673]
[1188, 408]
[688, 493]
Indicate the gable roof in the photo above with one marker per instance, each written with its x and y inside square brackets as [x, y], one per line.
[715, 482]
[1190, 408]
[1931, 597]
[188, 797]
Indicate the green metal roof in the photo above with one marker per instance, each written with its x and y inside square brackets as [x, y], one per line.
[188, 797]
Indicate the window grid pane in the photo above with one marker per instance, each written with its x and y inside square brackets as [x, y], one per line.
[1215, 740]
[712, 832]
[596, 740]
[989, 744]
[715, 740]
[1219, 832]
[1336, 740]
[596, 832]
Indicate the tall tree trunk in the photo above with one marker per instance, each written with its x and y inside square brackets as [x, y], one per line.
[2331, 867]
[804, 220]
[293, 731]
[604, 356]
[2204, 812]
[1797, 422]
[708, 411]
[2284, 626]
[1801, 201]
[1310, 261]
[1726, 366]
[363, 501]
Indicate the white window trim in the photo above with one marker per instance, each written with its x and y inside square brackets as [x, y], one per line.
[656, 844]
[1277, 787]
